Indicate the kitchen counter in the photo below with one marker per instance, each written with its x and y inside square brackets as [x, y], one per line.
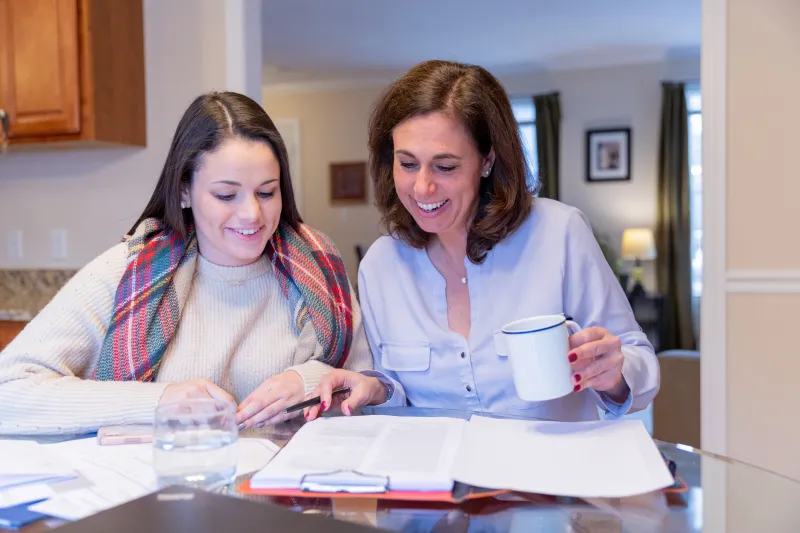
[11, 315]
[24, 292]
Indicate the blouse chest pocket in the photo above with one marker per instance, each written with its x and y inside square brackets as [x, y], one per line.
[406, 356]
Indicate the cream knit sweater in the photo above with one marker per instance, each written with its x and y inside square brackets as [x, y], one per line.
[234, 330]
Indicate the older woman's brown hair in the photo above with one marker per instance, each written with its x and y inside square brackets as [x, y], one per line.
[473, 96]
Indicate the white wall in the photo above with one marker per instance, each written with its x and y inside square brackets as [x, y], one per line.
[751, 278]
[96, 195]
[333, 128]
[749, 314]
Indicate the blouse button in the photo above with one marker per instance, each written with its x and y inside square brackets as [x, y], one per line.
[469, 389]
[463, 355]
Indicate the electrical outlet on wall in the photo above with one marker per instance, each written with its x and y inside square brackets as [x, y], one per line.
[14, 244]
[58, 240]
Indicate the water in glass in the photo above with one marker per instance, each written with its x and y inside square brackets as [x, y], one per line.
[195, 444]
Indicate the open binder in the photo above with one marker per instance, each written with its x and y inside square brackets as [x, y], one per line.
[451, 460]
[385, 457]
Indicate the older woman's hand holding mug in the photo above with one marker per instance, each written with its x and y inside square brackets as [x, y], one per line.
[596, 358]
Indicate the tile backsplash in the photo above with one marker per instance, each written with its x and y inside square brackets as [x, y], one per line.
[23, 293]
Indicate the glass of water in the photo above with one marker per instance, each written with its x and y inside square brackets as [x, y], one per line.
[195, 444]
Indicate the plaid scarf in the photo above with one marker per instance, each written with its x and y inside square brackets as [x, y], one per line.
[148, 299]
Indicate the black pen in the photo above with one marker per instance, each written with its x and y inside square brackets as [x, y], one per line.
[313, 401]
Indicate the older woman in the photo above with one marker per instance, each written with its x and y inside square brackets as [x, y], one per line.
[218, 291]
[470, 249]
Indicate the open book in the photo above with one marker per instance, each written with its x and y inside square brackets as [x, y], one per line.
[377, 453]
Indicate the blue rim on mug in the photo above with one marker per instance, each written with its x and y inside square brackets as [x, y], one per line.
[503, 330]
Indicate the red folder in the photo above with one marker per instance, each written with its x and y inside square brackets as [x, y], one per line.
[460, 493]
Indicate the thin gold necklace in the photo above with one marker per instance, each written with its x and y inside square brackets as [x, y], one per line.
[451, 267]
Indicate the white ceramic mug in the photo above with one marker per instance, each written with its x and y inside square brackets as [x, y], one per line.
[537, 348]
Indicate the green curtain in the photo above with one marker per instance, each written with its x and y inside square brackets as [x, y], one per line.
[548, 140]
[673, 262]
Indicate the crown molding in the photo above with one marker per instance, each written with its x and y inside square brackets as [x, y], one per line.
[774, 280]
[360, 80]
[326, 85]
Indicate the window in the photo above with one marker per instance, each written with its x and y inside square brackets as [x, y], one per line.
[525, 113]
[694, 105]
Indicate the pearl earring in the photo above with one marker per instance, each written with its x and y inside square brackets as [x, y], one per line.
[184, 205]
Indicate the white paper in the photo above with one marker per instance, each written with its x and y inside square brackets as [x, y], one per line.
[24, 494]
[136, 460]
[254, 454]
[23, 462]
[129, 466]
[598, 459]
[80, 503]
[116, 475]
[119, 474]
[413, 453]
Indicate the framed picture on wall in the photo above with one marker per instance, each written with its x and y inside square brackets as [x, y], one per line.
[608, 154]
[348, 182]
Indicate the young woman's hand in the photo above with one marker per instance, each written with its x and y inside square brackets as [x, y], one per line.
[265, 405]
[195, 388]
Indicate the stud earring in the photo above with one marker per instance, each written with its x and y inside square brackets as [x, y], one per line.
[184, 205]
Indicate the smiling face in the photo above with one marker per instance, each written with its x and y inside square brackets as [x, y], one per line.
[236, 201]
[437, 172]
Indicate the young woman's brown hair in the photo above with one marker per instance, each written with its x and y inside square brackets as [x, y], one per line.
[210, 119]
[471, 95]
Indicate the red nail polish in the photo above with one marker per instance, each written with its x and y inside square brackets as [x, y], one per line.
[577, 388]
[577, 378]
[324, 407]
[573, 357]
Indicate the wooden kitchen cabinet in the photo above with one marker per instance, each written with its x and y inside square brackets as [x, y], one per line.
[8, 330]
[72, 72]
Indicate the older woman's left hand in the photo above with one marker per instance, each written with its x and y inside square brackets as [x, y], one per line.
[596, 358]
[265, 405]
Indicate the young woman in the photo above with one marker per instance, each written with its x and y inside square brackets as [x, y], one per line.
[219, 291]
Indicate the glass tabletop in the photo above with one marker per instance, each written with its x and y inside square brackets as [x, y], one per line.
[717, 494]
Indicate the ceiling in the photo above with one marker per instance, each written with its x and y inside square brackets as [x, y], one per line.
[317, 40]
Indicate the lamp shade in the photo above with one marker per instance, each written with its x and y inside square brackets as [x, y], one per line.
[638, 243]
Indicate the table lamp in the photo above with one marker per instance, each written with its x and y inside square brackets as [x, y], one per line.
[638, 245]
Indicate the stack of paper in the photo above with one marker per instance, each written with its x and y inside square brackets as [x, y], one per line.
[24, 462]
[119, 474]
[24, 494]
[599, 459]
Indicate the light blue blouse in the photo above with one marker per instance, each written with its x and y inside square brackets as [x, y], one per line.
[552, 264]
